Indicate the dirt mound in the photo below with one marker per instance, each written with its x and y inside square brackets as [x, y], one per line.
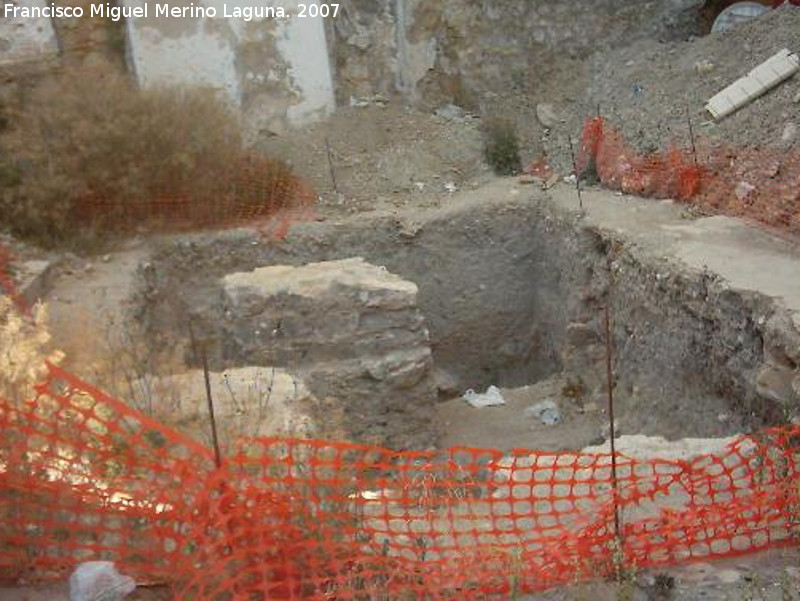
[383, 155]
[646, 90]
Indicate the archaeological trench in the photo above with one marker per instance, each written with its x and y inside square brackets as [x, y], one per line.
[383, 319]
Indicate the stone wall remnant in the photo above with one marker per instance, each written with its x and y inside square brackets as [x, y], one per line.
[461, 51]
[351, 331]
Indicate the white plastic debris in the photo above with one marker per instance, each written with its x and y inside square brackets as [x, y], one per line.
[491, 398]
[744, 191]
[451, 187]
[547, 412]
[450, 111]
[766, 76]
[99, 581]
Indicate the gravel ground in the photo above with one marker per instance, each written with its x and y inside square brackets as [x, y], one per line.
[384, 156]
[646, 90]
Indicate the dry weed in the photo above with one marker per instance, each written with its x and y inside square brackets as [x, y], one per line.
[501, 147]
[89, 135]
[25, 344]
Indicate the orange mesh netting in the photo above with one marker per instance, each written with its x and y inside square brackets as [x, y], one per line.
[758, 184]
[257, 190]
[82, 476]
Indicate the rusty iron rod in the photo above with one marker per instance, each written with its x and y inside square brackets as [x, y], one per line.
[612, 431]
[199, 351]
[214, 437]
[330, 165]
[691, 134]
[575, 169]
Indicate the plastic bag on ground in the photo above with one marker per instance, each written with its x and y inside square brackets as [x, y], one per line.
[491, 398]
[99, 581]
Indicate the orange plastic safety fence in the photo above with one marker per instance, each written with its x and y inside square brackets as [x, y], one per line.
[672, 174]
[82, 477]
[257, 190]
[759, 184]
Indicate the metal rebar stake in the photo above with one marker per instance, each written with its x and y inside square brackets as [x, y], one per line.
[330, 165]
[612, 432]
[200, 352]
[575, 170]
[691, 134]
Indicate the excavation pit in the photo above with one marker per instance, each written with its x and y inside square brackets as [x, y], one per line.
[512, 285]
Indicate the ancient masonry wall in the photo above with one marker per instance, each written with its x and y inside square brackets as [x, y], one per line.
[351, 330]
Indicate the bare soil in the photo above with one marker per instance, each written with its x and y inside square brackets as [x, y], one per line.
[650, 89]
[383, 156]
[87, 307]
[507, 428]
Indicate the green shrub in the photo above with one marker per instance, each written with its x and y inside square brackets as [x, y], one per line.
[501, 148]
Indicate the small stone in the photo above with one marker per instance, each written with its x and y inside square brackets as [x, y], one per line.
[450, 111]
[696, 573]
[581, 334]
[547, 412]
[451, 187]
[789, 132]
[703, 67]
[106, 258]
[547, 115]
[358, 102]
[745, 192]
[551, 181]
[605, 431]
[446, 383]
[729, 576]
[796, 99]
[776, 384]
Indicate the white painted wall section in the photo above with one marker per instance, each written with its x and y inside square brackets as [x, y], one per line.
[208, 52]
[302, 43]
[26, 39]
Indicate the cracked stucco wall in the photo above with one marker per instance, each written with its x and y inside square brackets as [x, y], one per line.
[429, 51]
[24, 39]
[286, 72]
[276, 70]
